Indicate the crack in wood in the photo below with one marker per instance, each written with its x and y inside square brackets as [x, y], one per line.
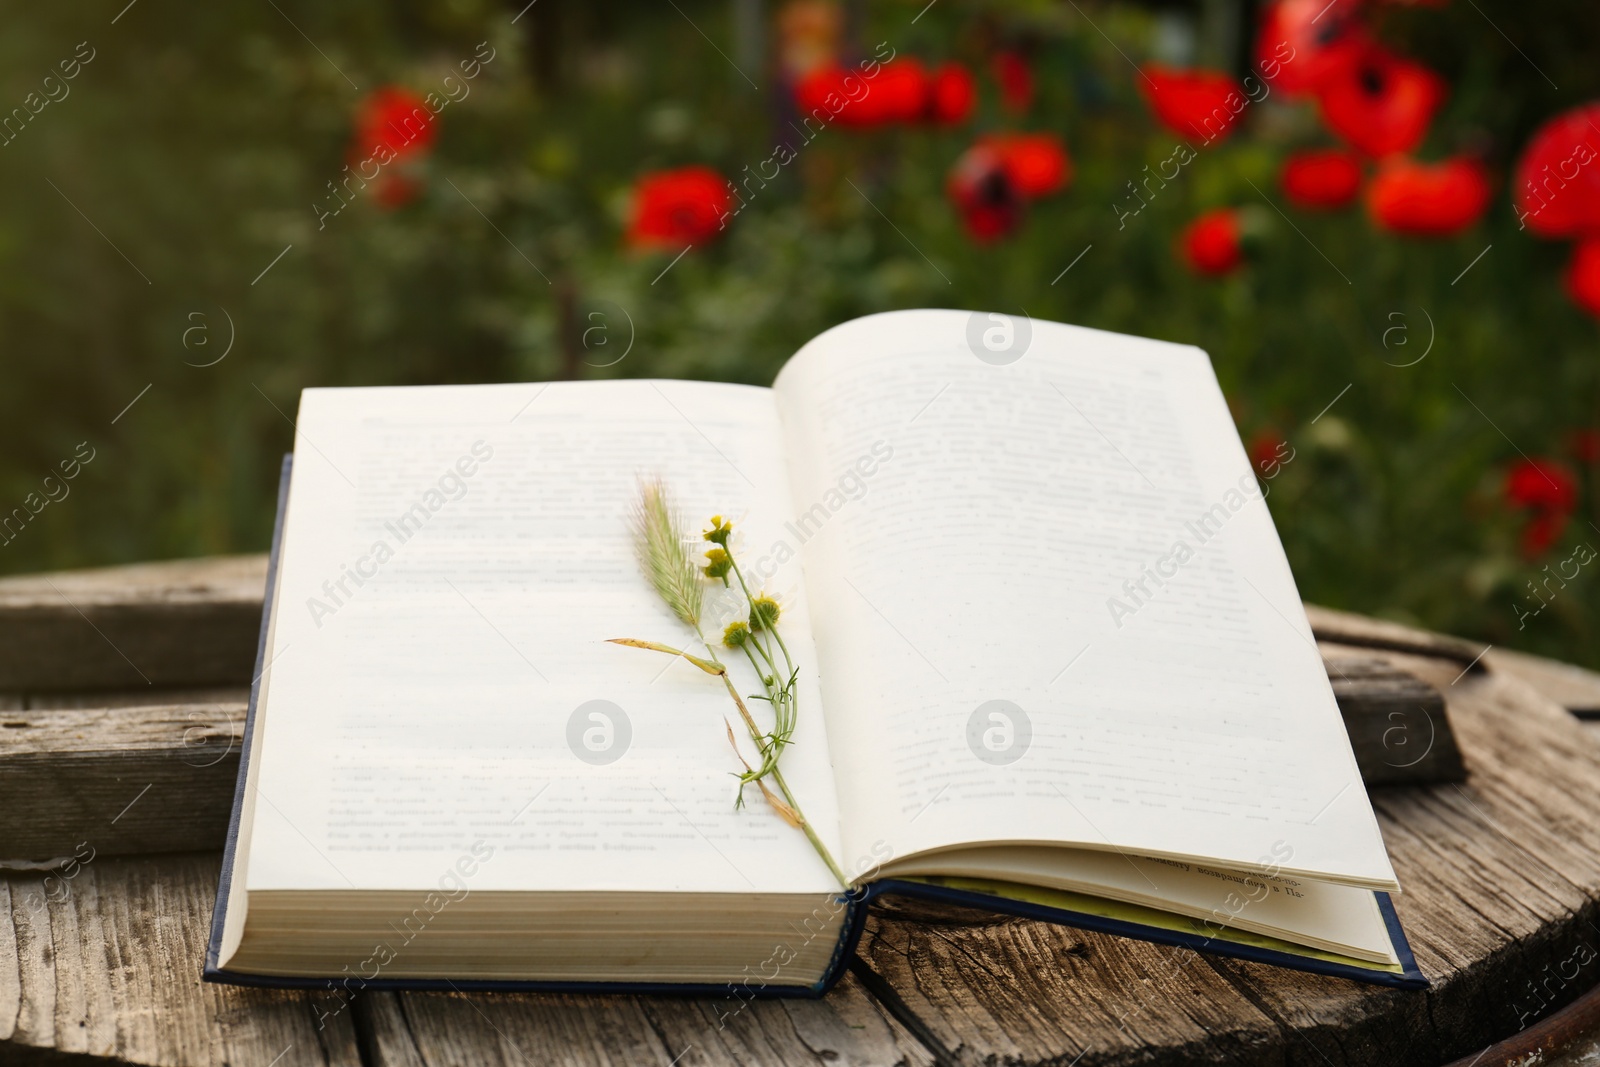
[895, 1005]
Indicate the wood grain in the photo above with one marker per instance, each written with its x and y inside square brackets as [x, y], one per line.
[1575, 688]
[125, 780]
[188, 622]
[1011, 991]
[139, 698]
[519, 1029]
[105, 965]
[102, 961]
[1360, 631]
[1397, 723]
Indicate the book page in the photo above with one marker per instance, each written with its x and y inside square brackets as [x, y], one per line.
[445, 710]
[1322, 915]
[1052, 607]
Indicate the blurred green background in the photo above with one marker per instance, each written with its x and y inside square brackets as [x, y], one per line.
[192, 148]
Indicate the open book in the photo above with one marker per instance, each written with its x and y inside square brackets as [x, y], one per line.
[1053, 663]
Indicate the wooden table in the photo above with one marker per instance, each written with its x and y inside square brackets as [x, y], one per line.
[125, 695]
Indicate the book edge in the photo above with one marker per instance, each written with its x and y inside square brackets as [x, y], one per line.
[849, 936]
[230, 845]
[1410, 978]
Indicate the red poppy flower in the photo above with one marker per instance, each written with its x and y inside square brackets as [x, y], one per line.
[981, 188]
[673, 208]
[1542, 532]
[1558, 179]
[821, 92]
[1543, 484]
[1381, 104]
[900, 91]
[1322, 180]
[396, 119]
[897, 93]
[1428, 199]
[1583, 276]
[1192, 103]
[1016, 81]
[1549, 489]
[1036, 163]
[952, 94]
[831, 93]
[1263, 449]
[1210, 244]
[1301, 43]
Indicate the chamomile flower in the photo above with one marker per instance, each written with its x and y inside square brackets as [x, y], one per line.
[718, 564]
[727, 533]
[719, 531]
[764, 612]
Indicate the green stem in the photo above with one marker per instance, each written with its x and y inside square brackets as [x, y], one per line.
[811, 834]
[755, 640]
[751, 600]
[776, 774]
[785, 707]
[785, 713]
[737, 573]
[779, 638]
[759, 673]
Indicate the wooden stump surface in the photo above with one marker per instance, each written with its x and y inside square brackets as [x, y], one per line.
[117, 790]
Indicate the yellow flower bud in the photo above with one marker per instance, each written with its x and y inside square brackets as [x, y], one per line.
[718, 563]
[764, 612]
[719, 532]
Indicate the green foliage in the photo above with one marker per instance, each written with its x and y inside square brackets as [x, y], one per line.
[197, 141]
